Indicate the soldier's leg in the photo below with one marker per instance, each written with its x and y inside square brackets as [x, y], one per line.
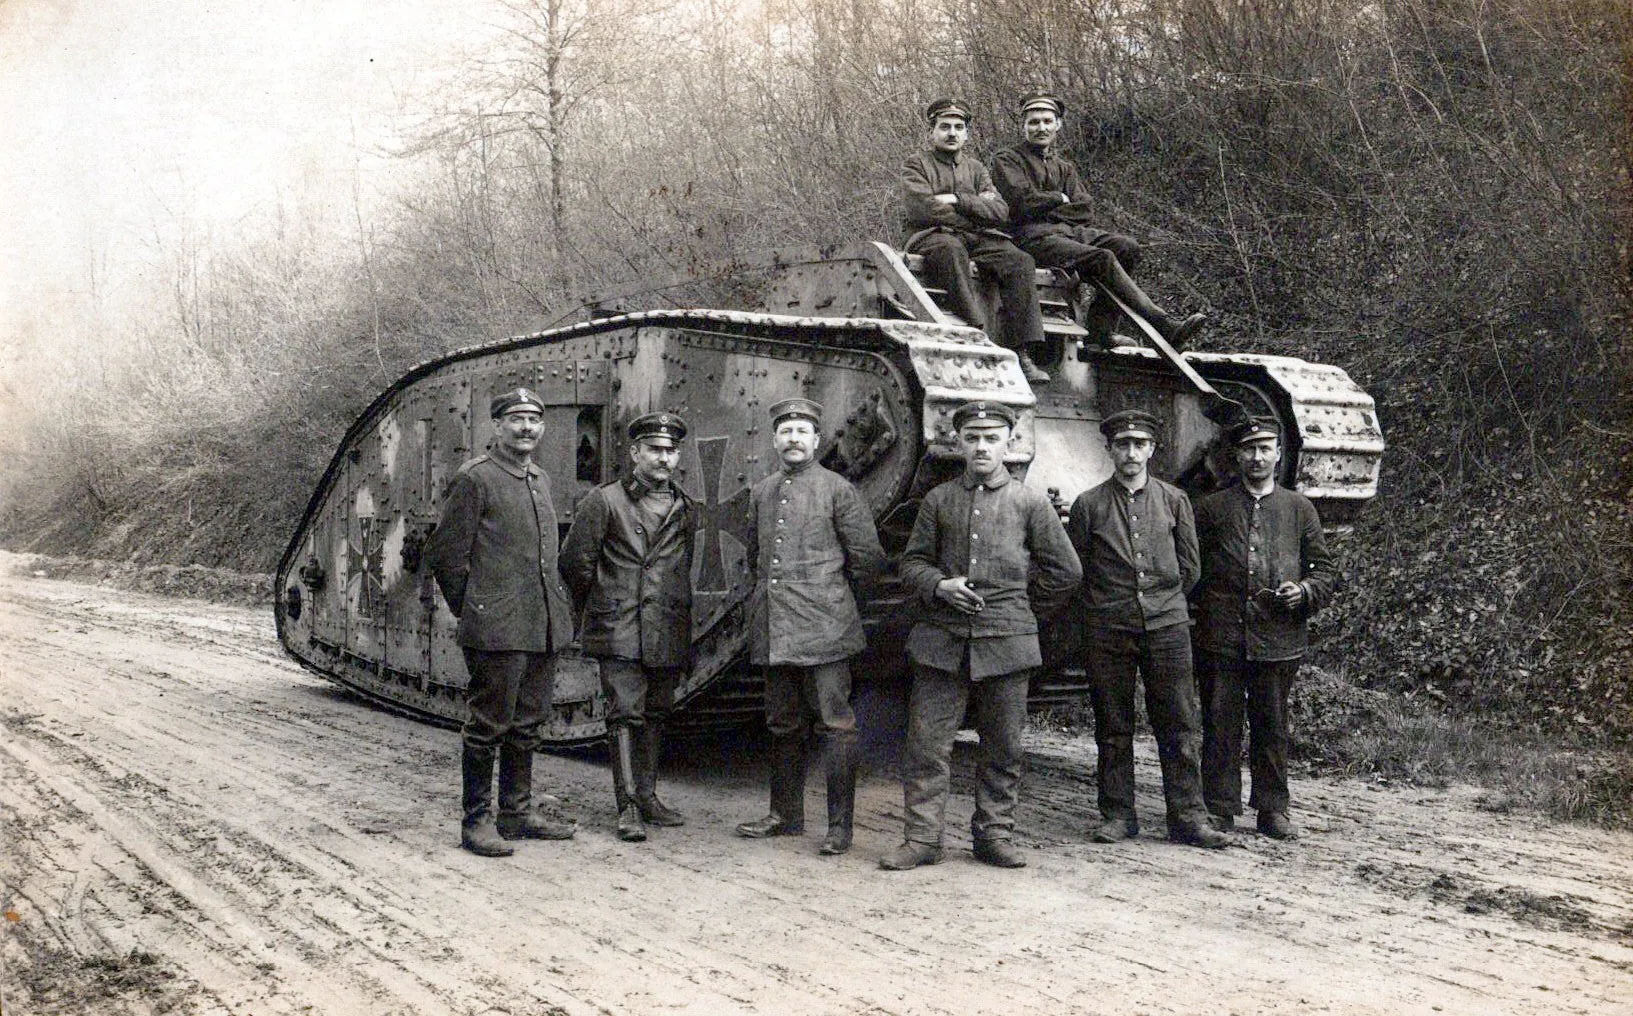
[1105, 269]
[623, 686]
[1219, 683]
[660, 699]
[1095, 313]
[1000, 704]
[785, 720]
[935, 707]
[1112, 667]
[1170, 702]
[947, 266]
[490, 701]
[1020, 320]
[1267, 690]
[518, 818]
[827, 700]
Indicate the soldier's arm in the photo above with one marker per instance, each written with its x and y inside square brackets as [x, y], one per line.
[921, 566]
[1026, 202]
[922, 210]
[1056, 569]
[853, 523]
[983, 205]
[448, 549]
[1320, 570]
[581, 551]
[1186, 549]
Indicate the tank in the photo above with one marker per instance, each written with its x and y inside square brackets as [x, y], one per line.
[854, 329]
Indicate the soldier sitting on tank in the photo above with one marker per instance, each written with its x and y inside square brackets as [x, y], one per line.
[628, 561]
[494, 557]
[1050, 215]
[953, 215]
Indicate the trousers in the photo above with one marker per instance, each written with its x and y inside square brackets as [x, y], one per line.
[637, 694]
[947, 258]
[1226, 683]
[936, 707]
[508, 698]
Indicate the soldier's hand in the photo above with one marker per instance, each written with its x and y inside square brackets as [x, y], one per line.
[946, 199]
[1290, 595]
[958, 592]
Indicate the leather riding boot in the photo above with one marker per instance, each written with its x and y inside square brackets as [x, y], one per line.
[839, 762]
[518, 819]
[622, 749]
[787, 815]
[649, 751]
[476, 830]
[1179, 333]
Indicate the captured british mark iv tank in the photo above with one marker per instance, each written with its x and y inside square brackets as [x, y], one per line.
[854, 329]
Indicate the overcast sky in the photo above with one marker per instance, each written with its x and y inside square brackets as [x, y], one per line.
[125, 122]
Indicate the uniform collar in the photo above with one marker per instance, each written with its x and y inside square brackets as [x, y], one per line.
[520, 470]
[954, 159]
[638, 488]
[997, 480]
[802, 467]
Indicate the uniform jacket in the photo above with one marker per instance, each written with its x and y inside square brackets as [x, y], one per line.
[980, 207]
[1006, 538]
[1139, 554]
[1251, 544]
[494, 557]
[1043, 192]
[814, 546]
[633, 584]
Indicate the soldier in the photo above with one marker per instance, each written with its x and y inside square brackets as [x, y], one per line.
[1050, 217]
[812, 543]
[988, 559]
[1265, 570]
[628, 561]
[494, 557]
[1137, 540]
[953, 215]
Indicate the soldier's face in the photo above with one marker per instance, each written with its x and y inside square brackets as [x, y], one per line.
[1129, 455]
[984, 449]
[1040, 127]
[949, 133]
[795, 440]
[518, 432]
[654, 462]
[1258, 459]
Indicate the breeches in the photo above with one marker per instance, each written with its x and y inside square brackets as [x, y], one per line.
[508, 697]
[637, 694]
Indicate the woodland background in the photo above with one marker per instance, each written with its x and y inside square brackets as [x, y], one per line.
[1432, 194]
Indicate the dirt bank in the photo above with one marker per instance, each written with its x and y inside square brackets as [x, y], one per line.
[193, 824]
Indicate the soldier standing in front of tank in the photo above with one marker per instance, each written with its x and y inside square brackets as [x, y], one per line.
[988, 560]
[1136, 537]
[628, 561]
[813, 546]
[1265, 570]
[494, 557]
[1051, 218]
[954, 215]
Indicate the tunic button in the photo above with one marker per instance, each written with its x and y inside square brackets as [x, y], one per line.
[773, 581]
[782, 522]
[785, 500]
[975, 536]
[779, 539]
[776, 560]
[977, 511]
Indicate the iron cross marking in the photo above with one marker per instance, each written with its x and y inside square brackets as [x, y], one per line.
[365, 560]
[728, 516]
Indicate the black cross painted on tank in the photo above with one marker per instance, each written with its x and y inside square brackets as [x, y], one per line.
[719, 516]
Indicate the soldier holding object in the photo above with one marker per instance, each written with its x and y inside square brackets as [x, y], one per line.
[988, 559]
[628, 561]
[1265, 570]
[813, 545]
[494, 557]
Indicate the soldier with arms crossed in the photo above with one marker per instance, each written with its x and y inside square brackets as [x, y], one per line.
[812, 546]
[953, 215]
[1137, 539]
[988, 560]
[1265, 570]
[628, 561]
[494, 557]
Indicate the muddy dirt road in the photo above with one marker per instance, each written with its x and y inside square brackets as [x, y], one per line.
[193, 824]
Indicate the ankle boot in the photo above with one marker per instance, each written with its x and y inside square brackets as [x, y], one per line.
[518, 819]
[787, 815]
[839, 763]
[649, 752]
[622, 749]
[476, 830]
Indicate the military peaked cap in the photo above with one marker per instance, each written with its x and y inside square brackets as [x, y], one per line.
[807, 408]
[983, 414]
[1042, 100]
[946, 107]
[511, 400]
[1130, 421]
[1257, 429]
[657, 428]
